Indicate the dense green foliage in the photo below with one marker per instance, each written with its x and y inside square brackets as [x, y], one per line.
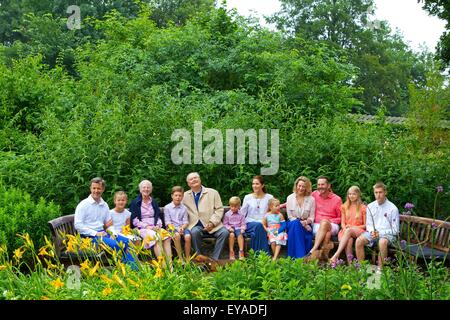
[256, 278]
[19, 214]
[139, 83]
[441, 9]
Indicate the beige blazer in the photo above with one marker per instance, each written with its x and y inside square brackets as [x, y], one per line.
[210, 208]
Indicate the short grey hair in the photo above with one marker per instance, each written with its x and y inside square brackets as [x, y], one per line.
[192, 174]
[98, 180]
[141, 184]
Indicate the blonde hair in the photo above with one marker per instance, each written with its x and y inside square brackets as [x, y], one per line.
[307, 182]
[348, 202]
[120, 194]
[272, 202]
[381, 185]
[177, 189]
[234, 201]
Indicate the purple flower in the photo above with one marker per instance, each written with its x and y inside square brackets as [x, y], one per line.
[403, 242]
[340, 262]
[409, 206]
[440, 189]
[333, 265]
[350, 257]
[434, 225]
[357, 265]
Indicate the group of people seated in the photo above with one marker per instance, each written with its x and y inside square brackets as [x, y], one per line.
[198, 213]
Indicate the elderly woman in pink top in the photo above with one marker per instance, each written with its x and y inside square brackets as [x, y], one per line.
[147, 218]
[327, 217]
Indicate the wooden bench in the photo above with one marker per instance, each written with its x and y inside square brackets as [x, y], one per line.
[424, 238]
[62, 226]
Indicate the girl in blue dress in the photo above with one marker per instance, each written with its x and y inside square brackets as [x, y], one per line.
[272, 222]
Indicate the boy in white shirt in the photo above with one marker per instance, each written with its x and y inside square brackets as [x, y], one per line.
[382, 224]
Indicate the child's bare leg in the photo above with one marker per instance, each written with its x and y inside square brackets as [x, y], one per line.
[177, 243]
[277, 252]
[168, 248]
[187, 246]
[157, 249]
[273, 245]
[231, 244]
[349, 250]
[342, 244]
[241, 246]
[241, 242]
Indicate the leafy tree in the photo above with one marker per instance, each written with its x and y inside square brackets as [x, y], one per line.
[385, 62]
[441, 9]
[178, 11]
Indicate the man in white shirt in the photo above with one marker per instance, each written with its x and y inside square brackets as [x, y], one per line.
[382, 224]
[92, 218]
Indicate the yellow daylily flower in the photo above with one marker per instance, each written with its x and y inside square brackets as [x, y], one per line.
[45, 298]
[155, 263]
[18, 253]
[86, 243]
[126, 230]
[107, 291]
[43, 252]
[3, 248]
[94, 269]
[106, 279]
[118, 280]
[27, 239]
[2, 267]
[48, 243]
[84, 265]
[122, 268]
[50, 265]
[71, 245]
[346, 287]
[133, 283]
[159, 273]
[57, 283]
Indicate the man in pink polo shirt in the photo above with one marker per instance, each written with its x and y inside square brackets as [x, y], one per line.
[327, 217]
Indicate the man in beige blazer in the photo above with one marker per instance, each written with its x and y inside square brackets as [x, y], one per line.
[205, 212]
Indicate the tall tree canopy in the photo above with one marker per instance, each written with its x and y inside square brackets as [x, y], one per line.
[441, 9]
[386, 63]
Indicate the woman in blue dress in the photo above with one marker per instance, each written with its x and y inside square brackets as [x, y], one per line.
[300, 207]
[254, 206]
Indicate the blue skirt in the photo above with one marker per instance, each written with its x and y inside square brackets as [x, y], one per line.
[258, 237]
[299, 240]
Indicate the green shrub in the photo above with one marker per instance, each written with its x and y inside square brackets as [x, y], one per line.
[19, 214]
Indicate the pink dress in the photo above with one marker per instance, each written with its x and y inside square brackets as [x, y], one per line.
[149, 236]
[350, 219]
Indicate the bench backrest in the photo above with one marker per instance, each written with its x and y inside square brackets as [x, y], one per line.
[427, 231]
[65, 225]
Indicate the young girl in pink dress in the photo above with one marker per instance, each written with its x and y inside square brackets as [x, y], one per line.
[353, 222]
